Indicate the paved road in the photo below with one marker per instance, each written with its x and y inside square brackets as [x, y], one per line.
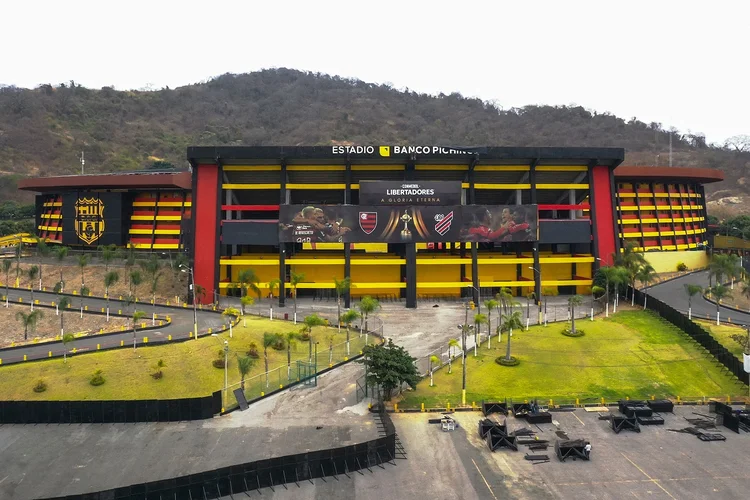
[673, 293]
[180, 327]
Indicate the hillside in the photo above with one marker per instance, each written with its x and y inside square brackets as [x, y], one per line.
[43, 130]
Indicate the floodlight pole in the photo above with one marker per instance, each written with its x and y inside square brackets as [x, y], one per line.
[226, 353]
[192, 289]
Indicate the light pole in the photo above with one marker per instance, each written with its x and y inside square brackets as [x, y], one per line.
[539, 318]
[479, 297]
[226, 367]
[186, 269]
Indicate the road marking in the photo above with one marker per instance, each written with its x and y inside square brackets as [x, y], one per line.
[655, 481]
[485, 481]
[576, 416]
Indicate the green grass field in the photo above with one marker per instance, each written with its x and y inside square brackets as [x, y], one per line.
[631, 354]
[189, 371]
[722, 333]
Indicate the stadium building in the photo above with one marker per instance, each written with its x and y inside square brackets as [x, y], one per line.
[400, 221]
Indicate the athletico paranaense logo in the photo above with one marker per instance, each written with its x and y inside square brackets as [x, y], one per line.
[443, 223]
[368, 221]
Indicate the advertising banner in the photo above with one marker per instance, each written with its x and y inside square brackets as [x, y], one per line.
[410, 193]
[384, 224]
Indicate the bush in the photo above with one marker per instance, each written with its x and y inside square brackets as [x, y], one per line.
[513, 361]
[681, 266]
[158, 373]
[304, 336]
[279, 345]
[97, 378]
[252, 350]
[218, 363]
[40, 386]
[568, 333]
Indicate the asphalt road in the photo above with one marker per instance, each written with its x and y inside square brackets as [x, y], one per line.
[180, 327]
[673, 294]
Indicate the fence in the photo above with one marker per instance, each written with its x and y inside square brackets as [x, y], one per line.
[105, 412]
[697, 333]
[269, 473]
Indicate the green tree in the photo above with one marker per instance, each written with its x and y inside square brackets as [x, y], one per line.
[83, 261]
[452, 344]
[434, 362]
[159, 369]
[621, 277]
[632, 261]
[231, 313]
[367, 305]
[60, 253]
[479, 319]
[42, 251]
[273, 285]
[152, 267]
[135, 280]
[341, 286]
[129, 256]
[529, 297]
[348, 318]
[610, 276]
[691, 291]
[84, 292]
[29, 321]
[269, 339]
[6, 269]
[646, 274]
[291, 339]
[248, 280]
[389, 366]
[62, 304]
[311, 321]
[505, 304]
[245, 302]
[137, 316]
[718, 293]
[575, 300]
[67, 338]
[294, 280]
[18, 255]
[32, 272]
[177, 265]
[511, 321]
[490, 304]
[107, 254]
[244, 365]
[110, 279]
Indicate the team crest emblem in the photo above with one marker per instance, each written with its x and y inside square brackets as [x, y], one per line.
[368, 221]
[443, 223]
[89, 219]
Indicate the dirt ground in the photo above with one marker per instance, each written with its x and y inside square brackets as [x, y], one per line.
[49, 325]
[170, 284]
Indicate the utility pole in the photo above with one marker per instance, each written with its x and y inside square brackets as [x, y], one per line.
[83, 162]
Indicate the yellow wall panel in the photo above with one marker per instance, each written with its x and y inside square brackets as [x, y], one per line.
[375, 274]
[447, 273]
[666, 262]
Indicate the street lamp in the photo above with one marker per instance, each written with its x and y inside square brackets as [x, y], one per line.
[187, 269]
[465, 327]
[539, 318]
[226, 353]
[479, 297]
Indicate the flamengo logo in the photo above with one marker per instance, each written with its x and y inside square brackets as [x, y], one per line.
[368, 221]
[443, 223]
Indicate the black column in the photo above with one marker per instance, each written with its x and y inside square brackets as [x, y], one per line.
[411, 275]
[282, 246]
[537, 266]
[348, 246]
[592, 217]
[217, 268]
[474, 245]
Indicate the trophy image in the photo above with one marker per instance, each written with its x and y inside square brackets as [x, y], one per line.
[405, 233]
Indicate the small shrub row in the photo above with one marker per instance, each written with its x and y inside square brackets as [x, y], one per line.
[513, 361]
[569, 333]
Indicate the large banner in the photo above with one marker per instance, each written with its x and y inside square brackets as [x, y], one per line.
[368, 223]
[410, 193]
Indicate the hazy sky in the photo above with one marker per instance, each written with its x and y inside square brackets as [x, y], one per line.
[681, 63]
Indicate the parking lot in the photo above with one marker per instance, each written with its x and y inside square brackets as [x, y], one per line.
[654, 463]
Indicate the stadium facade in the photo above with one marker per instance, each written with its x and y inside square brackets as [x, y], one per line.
[400, 221]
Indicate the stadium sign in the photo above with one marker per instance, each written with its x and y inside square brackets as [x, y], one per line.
[387, 151]
[410, 192]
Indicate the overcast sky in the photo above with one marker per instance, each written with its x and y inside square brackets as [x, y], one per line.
[681, 63]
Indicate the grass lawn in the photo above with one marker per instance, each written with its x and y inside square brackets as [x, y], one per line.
[189, 371]
[632, 353]
[722, 334]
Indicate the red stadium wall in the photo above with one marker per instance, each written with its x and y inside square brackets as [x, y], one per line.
[605, 228]
[205, 239]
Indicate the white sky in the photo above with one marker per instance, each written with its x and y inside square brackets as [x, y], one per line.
[681, 63]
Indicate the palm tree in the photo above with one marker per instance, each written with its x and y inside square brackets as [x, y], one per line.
[42, 250]
[575, 300]
[529, 297]
[273, 285]
[84, 291]
[244, 365]
[63, 304]
[152, 267]
[231, 313]
[248, 280]
[511, 321]
[67, 338]
[646, 274]
[479, 319]
[347, 318]
[632, 261]
[107, 254]
[434, 361]
[719, 292]
[199, 293]
[60, 253]
[452, 344]
[367, 305]
[137, 316]
[294, 280]
[269, 339]
[7, 264]
[490, 304]
[291, 339]
[32, 273]
[330, 349]
[245, 302]
[341, 286]
[19, 253]
[83, 261]
[311, 321]
[129, 257]
[621, 277]
[28, 320]
[135, 279]
[505, 305]
[691, 291]
[609, 274]
[110, 279]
